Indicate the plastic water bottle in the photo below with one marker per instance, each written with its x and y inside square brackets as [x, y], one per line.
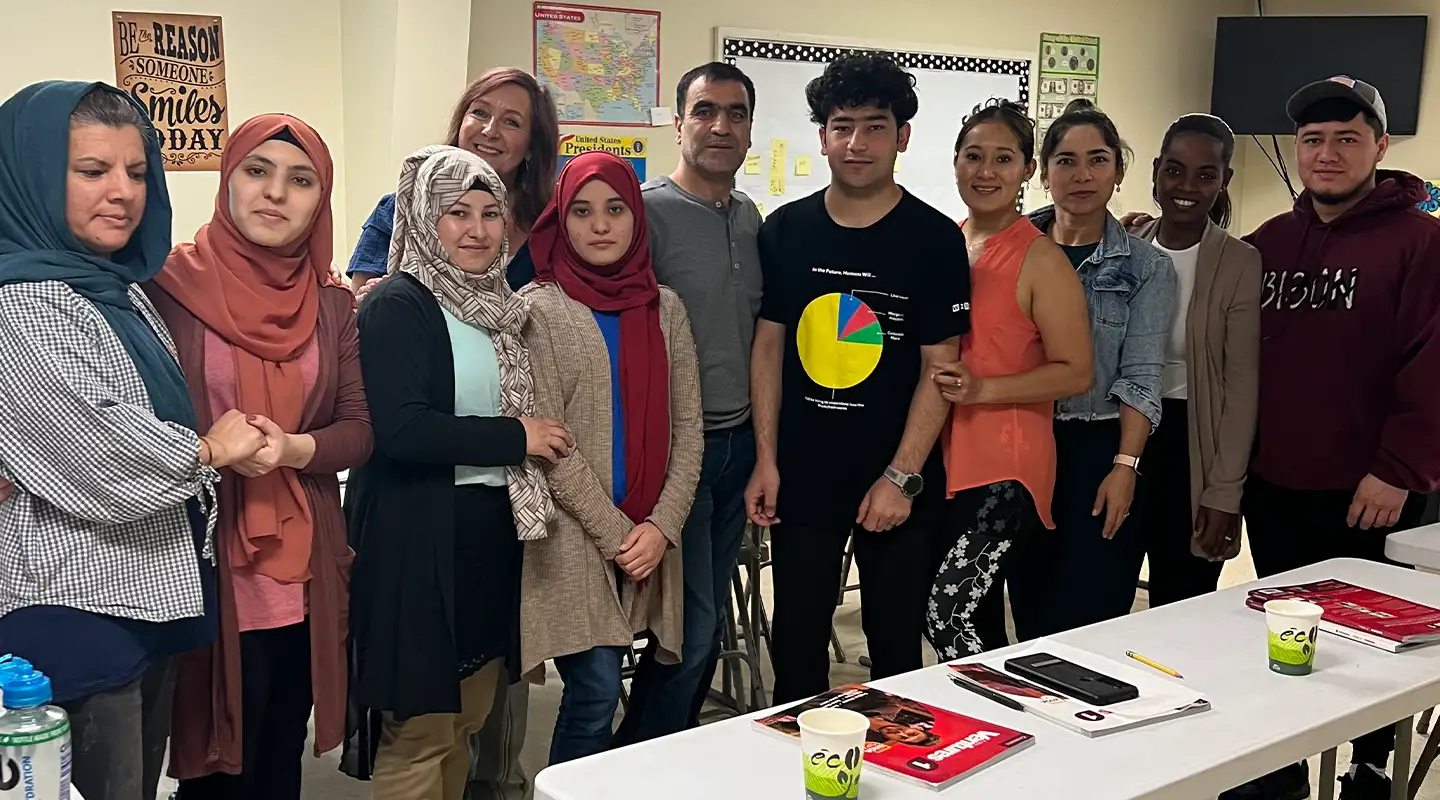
[34, 739]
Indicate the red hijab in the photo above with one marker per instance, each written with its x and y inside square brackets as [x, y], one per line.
[629, 287]
[265, 303]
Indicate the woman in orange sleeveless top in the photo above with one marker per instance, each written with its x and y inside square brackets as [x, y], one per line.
[1029, 344]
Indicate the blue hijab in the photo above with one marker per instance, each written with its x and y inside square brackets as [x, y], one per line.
[36, 243]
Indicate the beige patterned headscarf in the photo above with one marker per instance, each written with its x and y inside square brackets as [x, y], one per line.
[431, 181]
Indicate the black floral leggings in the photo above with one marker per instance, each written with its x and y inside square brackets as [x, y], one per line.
[984, 528]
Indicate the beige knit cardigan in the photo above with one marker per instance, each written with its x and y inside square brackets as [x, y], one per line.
[572, 598]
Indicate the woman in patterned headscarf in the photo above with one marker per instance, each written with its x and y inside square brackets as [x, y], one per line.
[438, 515]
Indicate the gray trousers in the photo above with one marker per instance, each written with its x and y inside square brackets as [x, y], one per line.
[118, 737]
[495, 771]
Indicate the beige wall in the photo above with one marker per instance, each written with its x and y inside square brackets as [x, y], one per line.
[1155, 59]
[1261, 194]
[281, 55]
[405, 62]
[376, 78]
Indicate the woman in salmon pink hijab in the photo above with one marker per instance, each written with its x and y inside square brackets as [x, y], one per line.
[614, 361]
[261, 327]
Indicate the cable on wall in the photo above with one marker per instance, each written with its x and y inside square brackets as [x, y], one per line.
[1278, 159]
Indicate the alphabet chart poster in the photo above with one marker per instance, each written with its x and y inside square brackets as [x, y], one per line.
[174, 66]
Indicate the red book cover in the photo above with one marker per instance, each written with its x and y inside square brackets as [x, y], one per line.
[1362, 609]
[909, 739]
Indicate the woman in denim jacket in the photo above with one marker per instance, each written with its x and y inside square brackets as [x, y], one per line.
[1087, 569]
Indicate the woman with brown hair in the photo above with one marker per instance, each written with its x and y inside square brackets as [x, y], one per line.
[259, 326]
[508, 119]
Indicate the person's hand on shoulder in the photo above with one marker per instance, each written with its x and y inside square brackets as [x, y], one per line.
[1133, 220]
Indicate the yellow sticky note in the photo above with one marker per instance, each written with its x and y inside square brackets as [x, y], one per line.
[897, 165]
[761, 208]
[752, 164]
[802, 165]
[777, 166]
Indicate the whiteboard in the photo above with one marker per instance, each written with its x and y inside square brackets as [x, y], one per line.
[949, 85]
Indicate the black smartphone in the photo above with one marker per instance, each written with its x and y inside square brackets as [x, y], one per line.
[1071, 679]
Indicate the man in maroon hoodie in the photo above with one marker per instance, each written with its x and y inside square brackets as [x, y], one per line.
[1349, 432]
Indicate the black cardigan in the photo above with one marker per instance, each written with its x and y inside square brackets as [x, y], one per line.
[400, 506]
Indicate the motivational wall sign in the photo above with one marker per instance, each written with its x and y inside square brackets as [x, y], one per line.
[174, 65]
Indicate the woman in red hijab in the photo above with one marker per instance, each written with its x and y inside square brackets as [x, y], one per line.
[614, 361]
[261, 326]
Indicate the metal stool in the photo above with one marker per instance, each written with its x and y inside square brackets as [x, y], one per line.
[746, 624]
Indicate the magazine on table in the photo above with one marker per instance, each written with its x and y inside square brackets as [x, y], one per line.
[909, 739]
[1160, 697]
[1361, 615]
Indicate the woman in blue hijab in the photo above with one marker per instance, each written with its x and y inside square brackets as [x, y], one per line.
[105, 528]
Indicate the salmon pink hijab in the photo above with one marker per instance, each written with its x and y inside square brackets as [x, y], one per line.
[264, 302]
[629, 287]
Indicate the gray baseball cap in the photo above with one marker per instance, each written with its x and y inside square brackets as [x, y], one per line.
[1342, 87]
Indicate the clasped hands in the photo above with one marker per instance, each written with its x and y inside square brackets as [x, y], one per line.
[251, 444]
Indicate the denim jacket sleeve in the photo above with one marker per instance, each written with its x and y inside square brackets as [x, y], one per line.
[1142, 354]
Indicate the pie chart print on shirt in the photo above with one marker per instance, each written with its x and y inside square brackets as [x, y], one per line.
[840, 340]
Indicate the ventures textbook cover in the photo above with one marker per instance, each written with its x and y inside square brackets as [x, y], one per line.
[909, 739]
[1160, 698]
[1361, 615]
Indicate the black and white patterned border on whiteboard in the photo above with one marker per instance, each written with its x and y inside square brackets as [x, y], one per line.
[824, 54]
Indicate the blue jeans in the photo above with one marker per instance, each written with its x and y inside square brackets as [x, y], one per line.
[587, 704]
[667, 698]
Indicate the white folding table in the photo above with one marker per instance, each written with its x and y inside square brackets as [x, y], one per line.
[1260, 721]
[1417, 546]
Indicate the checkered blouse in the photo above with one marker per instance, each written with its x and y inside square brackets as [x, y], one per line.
[98, 521]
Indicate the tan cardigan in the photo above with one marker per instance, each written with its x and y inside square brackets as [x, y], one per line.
[571, 597]
[1222, 365]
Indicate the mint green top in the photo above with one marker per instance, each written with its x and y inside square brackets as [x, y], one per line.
[477, 388]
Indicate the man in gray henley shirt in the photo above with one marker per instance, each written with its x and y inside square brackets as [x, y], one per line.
[702, 241]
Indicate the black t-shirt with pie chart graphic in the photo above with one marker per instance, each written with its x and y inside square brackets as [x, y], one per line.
[857, 305]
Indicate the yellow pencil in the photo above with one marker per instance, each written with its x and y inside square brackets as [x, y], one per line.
[1157, 665]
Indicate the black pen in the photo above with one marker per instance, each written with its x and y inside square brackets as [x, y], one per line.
[987, 692]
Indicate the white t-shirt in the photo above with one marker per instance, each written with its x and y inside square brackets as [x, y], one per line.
[1173, 383]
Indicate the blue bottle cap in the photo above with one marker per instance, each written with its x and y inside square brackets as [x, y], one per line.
[27, 690]
[10, 666]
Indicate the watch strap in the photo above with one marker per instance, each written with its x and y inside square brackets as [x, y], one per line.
[1133, 462]
[903, 481]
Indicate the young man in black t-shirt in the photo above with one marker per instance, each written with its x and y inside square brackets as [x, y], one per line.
[866, 289]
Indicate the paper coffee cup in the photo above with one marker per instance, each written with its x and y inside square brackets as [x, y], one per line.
[1293, 625]
[833, 743]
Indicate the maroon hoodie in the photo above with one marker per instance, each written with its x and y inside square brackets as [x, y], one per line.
[1350, 343]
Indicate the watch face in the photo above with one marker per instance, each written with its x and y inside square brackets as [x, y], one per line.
[913, 485]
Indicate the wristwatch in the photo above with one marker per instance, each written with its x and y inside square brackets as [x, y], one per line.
[1133, 462]
[910, 483]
